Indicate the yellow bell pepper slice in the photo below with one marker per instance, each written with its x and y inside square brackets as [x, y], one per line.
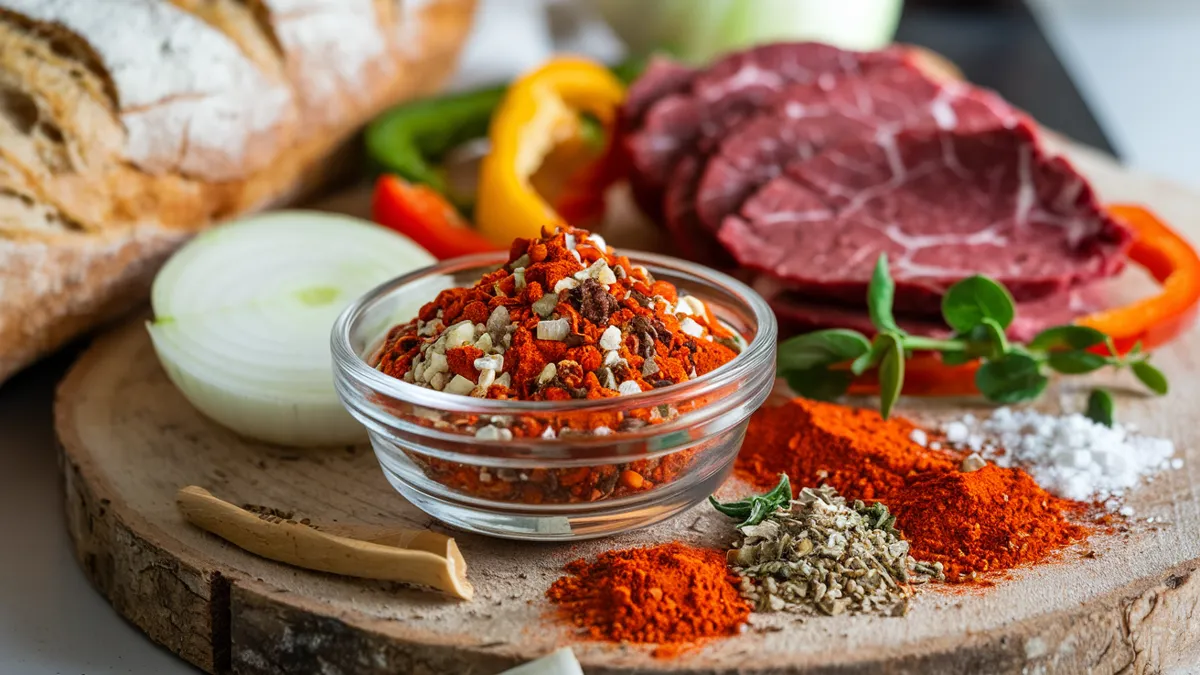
[540, 111]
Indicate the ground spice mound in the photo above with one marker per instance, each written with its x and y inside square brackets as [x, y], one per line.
[974, 523]
[991, 519]
[670, 595]
[856, 451]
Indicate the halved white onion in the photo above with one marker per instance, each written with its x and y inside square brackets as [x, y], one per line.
[243, 314]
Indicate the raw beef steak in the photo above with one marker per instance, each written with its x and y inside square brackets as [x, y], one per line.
[729, 90]
[680, 217]
[809, 119]
[943, 205]
[661, 77]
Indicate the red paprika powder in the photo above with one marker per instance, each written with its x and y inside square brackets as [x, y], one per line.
[985, 520]
[671, 595]
[974, 523]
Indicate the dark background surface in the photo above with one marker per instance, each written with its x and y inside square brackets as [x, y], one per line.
[998, 44]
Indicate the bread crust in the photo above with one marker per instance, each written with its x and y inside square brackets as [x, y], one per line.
[112, 153]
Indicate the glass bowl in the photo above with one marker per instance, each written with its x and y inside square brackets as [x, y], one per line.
[584, 482]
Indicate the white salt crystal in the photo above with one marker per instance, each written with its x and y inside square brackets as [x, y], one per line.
[1070, 455]
[919, 437]
[957, 432]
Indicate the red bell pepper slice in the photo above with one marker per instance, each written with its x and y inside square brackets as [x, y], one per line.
[1174, 264]
[422, 214]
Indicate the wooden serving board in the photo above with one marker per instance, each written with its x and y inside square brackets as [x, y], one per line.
[129, 441]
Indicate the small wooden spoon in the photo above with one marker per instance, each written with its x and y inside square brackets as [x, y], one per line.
[411, 556]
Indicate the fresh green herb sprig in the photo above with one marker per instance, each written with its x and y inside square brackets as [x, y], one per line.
[1100, 407]
[755, 508]
[822, 364]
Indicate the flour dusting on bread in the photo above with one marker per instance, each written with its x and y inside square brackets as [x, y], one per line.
[189, 99]
[335, 49]
[128, 125]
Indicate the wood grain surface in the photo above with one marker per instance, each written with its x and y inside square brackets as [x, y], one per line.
[129, 440]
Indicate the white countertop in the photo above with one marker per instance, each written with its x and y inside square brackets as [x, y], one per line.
[1134, 63]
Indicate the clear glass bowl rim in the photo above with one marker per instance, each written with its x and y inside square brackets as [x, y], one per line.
[355, 367]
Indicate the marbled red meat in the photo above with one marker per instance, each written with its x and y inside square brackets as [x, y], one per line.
[662, 77]
[696, 115]
[808, 119]
[804, 162]
[942, 204]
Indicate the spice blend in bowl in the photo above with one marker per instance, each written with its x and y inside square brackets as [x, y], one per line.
[565, 318]
[564, 392]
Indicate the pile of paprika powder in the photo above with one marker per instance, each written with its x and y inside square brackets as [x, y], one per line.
[564, 319]
[973, 522]
[671, 595]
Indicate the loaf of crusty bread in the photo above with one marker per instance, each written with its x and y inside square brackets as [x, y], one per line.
[128, 125]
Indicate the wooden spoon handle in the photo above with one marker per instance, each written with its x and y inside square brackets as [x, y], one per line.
[297, 544]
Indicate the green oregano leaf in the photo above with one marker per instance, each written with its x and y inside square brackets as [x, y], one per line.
[956, 358]
[1100, 407]
[820, 384]
[782, 491]
[1076, 362]
[819, 349]
[1067, 337]
[756, 508]
[891, 374]
[739, 509]
[994, 335]
[871, 359]
[969, 301]
[1013, 378]
[759, 510]
[1152, 377]
[881, 294]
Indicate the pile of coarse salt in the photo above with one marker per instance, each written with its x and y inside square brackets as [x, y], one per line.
[1070, 455]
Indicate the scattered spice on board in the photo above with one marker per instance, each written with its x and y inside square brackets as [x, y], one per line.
[564, 319]
[671, 595]
[972, 522]
[818, 554]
